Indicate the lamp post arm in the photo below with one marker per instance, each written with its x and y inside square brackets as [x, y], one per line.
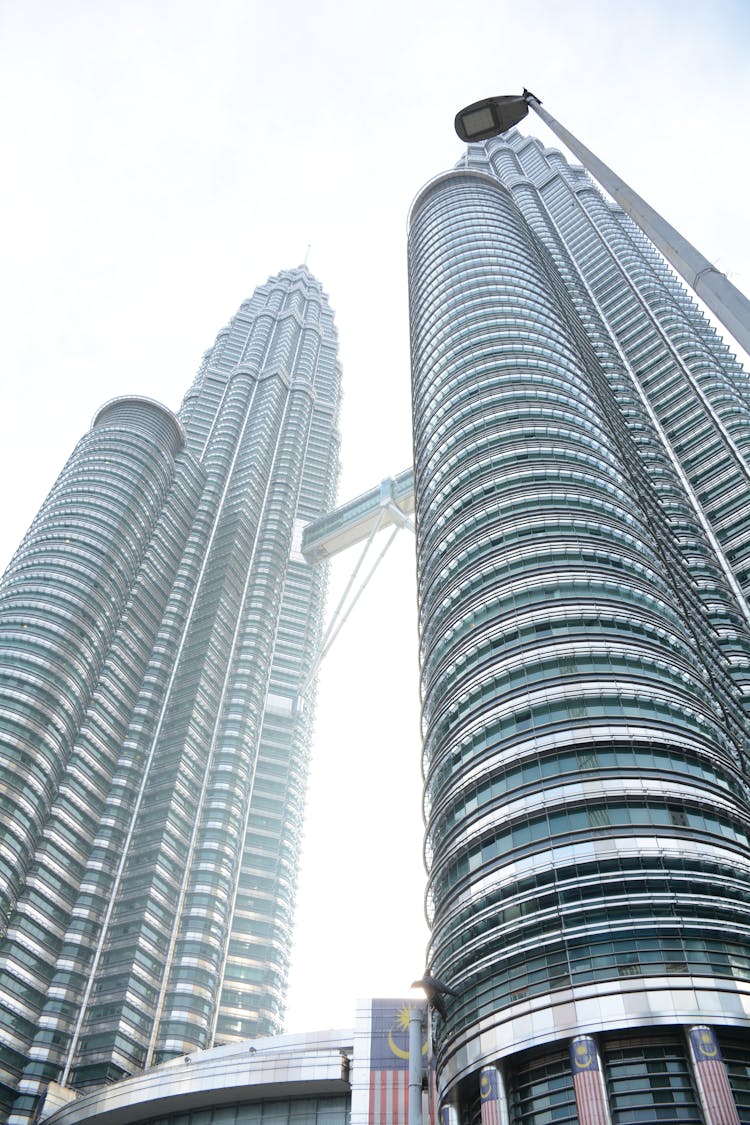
[725, 300]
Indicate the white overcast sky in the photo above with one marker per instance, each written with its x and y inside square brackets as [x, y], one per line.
[160, 158]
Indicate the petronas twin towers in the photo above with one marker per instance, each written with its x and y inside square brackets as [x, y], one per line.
[582, 461]
[582, 452]
[158, 625]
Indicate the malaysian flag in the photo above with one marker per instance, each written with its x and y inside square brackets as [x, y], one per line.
[711, 1076]
[587, 1082]
[389, 1062]
[489, 1096]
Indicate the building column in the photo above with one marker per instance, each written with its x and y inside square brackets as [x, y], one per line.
[449, 1114]
[588, 1082]
[711, 1078]
[492, 1096]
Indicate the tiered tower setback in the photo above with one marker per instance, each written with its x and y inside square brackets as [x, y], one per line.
[157, 625]
[582, 452]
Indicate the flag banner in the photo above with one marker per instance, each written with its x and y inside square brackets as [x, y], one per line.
[489, 1096]
[445, 1115]
[587, 1082]
[389, 1062]
[389, 1097]
[712, 1078]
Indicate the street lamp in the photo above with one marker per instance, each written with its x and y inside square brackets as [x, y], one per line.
[493, 116]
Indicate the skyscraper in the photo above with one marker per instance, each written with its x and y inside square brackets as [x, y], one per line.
[582, 459]
[158, 624]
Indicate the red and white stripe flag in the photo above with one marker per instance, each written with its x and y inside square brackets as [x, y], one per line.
[389, 1097]
[587, 1082]
[389, 1061]
[489, 1096]
[712, 1078]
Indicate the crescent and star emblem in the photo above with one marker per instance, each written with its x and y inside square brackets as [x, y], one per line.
[403, 1024]
[708, 1044]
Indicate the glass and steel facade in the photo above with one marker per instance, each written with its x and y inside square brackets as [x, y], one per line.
[158, 624]
[280, 1080]
[354, 1076]
[581, 441]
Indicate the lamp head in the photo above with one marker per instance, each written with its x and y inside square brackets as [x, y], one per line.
[490, 117]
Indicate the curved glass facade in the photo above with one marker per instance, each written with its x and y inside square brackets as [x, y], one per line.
[583, 631]
[157, 625]
[279, 1080]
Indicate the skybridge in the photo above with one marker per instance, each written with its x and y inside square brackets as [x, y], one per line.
[389, 505]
